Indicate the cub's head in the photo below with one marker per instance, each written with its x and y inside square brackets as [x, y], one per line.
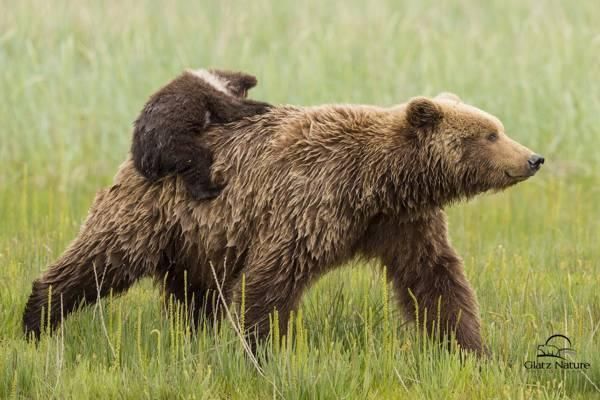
[467, 146]
[232, 83]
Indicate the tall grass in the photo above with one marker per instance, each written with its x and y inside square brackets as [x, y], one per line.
[73, 76]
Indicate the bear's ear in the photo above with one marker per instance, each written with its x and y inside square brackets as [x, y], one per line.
[448, 96]
[423, 113]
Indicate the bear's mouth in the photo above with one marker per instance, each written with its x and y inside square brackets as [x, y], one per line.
[517, 177]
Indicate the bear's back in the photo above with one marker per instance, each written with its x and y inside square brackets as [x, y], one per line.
[288, 173]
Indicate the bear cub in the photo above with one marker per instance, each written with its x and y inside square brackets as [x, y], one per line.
[164, 132]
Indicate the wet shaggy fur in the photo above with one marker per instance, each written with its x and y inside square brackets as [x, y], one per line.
[308, 189]
[164, 136]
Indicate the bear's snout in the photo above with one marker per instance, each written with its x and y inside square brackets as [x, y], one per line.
[535, 162]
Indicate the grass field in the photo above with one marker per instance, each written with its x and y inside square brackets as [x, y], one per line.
[73, 75]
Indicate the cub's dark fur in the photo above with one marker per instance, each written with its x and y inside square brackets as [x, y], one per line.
[164, 133]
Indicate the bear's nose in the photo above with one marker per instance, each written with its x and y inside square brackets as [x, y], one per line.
[535, 162]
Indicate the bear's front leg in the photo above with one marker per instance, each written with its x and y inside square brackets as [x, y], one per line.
[429, 280]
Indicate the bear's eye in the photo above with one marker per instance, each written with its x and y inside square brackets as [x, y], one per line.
[492, 137]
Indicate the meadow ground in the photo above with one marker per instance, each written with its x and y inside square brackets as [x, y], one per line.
[73, 75]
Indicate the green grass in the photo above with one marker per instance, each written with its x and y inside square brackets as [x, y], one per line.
[73, 76]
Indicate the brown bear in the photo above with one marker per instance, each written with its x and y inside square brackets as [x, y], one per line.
[307, 190]
[164, 135]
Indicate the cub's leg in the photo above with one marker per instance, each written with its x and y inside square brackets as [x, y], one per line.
[192, 162]
[223, 109]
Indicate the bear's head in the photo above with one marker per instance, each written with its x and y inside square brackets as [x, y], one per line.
[465, 148]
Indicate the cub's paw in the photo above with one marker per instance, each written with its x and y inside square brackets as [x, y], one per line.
[253, 107]
[201, 192]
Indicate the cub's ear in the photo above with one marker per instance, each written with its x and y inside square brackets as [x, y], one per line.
[448, 96]
[423, 113]
[242, 80]
[238, 82]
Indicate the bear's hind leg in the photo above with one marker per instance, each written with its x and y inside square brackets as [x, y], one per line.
[69, 283]
[270, 285]
[193, 299]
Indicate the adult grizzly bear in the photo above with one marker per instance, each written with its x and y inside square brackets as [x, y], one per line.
[307, 190]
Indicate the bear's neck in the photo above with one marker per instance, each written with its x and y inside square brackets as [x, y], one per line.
[415, 180]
